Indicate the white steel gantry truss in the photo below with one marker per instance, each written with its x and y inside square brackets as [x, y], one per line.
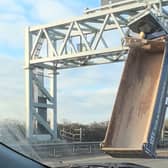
[92, 39]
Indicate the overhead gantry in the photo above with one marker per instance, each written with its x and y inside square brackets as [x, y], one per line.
[92, 39]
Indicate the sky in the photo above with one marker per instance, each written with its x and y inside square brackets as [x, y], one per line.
[84, 95]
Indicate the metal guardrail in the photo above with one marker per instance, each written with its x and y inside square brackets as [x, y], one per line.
[53, 150]
[72, 135]
[164, 139]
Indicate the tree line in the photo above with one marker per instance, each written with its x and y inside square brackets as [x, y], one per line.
[90, 132]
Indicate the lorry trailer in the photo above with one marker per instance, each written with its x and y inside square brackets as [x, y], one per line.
[139, 109]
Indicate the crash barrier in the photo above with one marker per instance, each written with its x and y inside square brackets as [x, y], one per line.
[53, 150]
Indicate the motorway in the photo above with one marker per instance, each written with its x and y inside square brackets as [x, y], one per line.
[160, 162]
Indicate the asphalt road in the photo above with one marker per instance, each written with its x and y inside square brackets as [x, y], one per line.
[161, 162]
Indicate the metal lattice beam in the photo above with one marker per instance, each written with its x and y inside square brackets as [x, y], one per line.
[72, 38]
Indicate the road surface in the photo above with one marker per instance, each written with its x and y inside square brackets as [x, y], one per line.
[161, 162]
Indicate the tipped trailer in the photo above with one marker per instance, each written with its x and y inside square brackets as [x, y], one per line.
[139, 109]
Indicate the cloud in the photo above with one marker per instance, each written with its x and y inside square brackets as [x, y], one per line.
[12, 24]
[87, 92]
[86, 107]
[50, 11]
[84, 97]
[87, 95]
[11, 6]
[11, 88]
[16, 16]
[95, 75]
[12, 35]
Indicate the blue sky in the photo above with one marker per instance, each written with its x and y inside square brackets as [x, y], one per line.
[84, 95]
